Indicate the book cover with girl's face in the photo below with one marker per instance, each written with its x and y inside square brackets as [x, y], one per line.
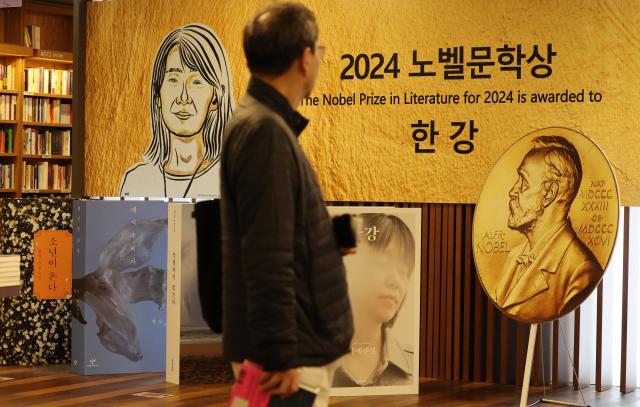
[383, 279]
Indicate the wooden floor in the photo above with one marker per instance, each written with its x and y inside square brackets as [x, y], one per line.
[57, 386]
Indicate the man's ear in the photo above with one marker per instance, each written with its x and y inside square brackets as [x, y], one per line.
[551, 194]
[306, 60]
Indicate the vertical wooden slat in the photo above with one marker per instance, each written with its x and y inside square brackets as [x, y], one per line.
[430, 288]
[522, 338]
[491, 342]
[466, 330]
[444, 273]
[450, 291]
[443, 293]
[436, 292]
[457, 303]
[480, 333]
[503, 371]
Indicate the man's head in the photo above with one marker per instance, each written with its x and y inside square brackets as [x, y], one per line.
[548, 177]
[281, 40]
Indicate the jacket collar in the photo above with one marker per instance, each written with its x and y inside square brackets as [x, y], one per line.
[396, 355]
[534, 279]
[273, 99]
[393, 354]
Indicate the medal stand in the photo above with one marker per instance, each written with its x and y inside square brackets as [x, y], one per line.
[533, 333]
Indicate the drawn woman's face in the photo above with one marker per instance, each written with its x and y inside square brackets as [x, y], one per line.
[185, 97]
[377, 281]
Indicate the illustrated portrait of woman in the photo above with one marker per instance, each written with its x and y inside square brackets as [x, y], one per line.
[191, 102]
[379, 277]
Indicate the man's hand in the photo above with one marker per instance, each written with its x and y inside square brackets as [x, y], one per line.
[283, 384]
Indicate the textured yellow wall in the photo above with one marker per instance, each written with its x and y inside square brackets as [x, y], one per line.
[366, 152]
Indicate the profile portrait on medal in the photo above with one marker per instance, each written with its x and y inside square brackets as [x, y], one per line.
[547, 274]
[190, 104]
[379, 277]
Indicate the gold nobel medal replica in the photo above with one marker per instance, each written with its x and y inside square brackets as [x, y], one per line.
[545, 224]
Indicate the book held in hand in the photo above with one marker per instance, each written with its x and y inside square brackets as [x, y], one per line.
[246, 391]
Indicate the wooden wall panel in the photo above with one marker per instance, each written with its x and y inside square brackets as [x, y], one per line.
[3, 25]
[13, 32]
[61, 25]
[463, 335]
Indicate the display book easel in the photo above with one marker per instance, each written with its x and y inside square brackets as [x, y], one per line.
[533, 333]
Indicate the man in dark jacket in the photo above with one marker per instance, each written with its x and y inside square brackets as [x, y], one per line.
[286, 305]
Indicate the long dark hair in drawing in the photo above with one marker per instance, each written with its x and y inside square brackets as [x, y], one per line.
[199, 50]
[122, 278]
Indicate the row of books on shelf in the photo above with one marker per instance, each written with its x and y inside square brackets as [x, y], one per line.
[53, 81]
[6, 140]
[7, 77]
[6, 176]
[45, 110]
[47, 142]
[45, 175]
[8, 107]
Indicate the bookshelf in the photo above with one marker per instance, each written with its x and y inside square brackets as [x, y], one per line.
[35, 141]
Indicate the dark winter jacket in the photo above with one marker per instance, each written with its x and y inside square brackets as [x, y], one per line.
[285, 301]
